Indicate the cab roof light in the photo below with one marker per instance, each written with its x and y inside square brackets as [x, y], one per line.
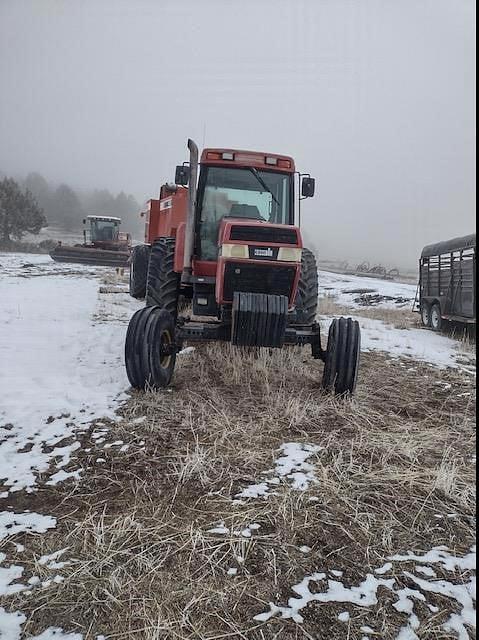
[271, 160]
[285, 164]
[226, 155]
[213, 156]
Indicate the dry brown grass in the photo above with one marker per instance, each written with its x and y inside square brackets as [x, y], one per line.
[144, 565]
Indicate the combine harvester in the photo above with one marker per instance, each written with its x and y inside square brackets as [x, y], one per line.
[104, 244]
[227, 242]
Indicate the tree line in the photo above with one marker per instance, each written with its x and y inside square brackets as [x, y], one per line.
[66, 208]
[32, 203]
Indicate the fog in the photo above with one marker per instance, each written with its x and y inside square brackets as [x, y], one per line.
[376, 99]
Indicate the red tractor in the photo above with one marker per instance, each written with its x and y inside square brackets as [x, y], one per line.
[226, 243]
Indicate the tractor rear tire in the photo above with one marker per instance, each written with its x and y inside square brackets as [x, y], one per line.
[342, 357]
[307, 295]
[150, 354]
[163, 283]
[138, 270]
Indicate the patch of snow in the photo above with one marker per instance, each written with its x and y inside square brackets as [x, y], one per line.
[441, 555]
[12, 523]
[384, 569]
[221, 529]
[232, 571]
[117, 443]
[61, 476]
[260, 490]
[426, 571]
[292, 466]
[54, 633]
[305, 549]
[345, 616]
[11, 624]
[186, 351]
[50, 560]
[7, 577]
[462, 594]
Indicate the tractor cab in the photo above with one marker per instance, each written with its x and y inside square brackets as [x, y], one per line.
[101, 229]
[244, 185]
[104, 232]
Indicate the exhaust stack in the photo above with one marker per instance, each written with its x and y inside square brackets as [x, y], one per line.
[190, 220]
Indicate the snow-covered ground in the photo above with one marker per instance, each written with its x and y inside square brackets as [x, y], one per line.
[417, 344]
[347, 290]
[60, 363]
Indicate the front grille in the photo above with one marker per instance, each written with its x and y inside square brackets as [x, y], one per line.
[260, 233]
[255, 278]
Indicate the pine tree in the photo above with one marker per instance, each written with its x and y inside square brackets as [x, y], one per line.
[19, 212]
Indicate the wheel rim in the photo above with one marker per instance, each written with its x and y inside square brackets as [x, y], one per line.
[425, 316]
[435, 318]
[165, 342]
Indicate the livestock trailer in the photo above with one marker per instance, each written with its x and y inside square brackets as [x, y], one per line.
[447, 282]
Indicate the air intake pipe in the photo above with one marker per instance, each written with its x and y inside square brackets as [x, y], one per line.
[190, 220]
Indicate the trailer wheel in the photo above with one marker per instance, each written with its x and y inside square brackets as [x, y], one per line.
[163, 283]
[150, 350]
[307, 295]
[138, 270]
[436, 317]
[426, 314]
[342, 356]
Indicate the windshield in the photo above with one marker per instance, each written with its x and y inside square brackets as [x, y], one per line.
[103, 230]
[240, 193]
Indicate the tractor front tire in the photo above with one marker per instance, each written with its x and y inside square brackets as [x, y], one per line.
[150, 353]
[138, 270]
[342, 357]
[163, 283]
[307, 295]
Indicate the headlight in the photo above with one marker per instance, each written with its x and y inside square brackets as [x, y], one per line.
[287, 254]
[234, 251]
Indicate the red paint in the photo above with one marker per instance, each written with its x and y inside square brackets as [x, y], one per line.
[180, 247]
[164, 216]
[248, 159]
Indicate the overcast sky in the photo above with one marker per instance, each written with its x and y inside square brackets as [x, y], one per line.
[375, 98]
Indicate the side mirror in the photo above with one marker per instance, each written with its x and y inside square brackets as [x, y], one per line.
[84, 220]
[182, 175]
[307, 187]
